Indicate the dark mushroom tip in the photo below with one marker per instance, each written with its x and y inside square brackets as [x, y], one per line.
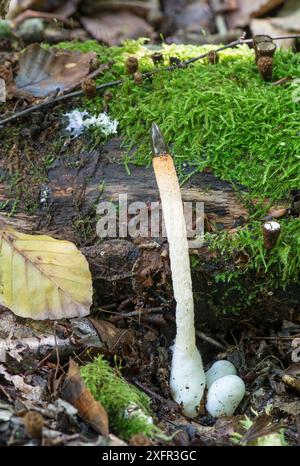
[159, 146]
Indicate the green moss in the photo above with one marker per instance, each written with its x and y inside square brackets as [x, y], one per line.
[5, 29]
[224, 117]
[279, 266]
[116, 395]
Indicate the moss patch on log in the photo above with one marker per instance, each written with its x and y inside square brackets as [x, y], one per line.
[222, 117]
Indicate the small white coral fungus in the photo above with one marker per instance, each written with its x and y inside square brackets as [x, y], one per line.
[80, 121]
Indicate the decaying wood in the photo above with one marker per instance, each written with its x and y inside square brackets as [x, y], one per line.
[123, 268]
[74, 191]
[24, 342]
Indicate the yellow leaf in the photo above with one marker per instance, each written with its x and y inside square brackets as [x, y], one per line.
[41, 277]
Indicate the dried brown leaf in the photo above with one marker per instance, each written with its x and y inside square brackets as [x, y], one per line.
[293, 370]
[27, 391]
[253, 9]
[43, 72]
[34, 423]
[113, 337]
[114, 28]
[76, 393]
[288, 407]
[151, 268]
[261, 426]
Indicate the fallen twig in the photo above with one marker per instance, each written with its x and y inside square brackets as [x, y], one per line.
[210, 340]
[148, 74]
[235, 43]
[166, 402]
[137, 313]
[282, 81]
[275, 338]
[54, 101]
[291, 382]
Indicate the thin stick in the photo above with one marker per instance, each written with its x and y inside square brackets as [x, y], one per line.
[275, 338]
[138, 313]
[235, 43]
[55, 101]
[210, 340]
[184, 64]
[156, 396]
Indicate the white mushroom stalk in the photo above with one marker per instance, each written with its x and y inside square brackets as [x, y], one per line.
[187, 380]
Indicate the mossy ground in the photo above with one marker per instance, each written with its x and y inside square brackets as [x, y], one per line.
[226, 118]
[116, 396]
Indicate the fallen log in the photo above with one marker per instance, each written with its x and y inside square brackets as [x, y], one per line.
[123, 268]
[72, 191]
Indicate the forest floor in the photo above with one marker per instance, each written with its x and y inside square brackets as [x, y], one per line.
[220, 119]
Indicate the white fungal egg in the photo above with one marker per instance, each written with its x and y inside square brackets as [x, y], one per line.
[224, 396]
[219, 369]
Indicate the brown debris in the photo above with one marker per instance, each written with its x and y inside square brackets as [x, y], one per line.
[76, 393]
[43, 72]
[33, 423]
[114, 339]
[213, 57]
[131, 65]
[247, 10]
[138, 77]
[265, 66]
[152, 268]
[291, 382]
[277, 213]
[282, 81]
[113, 28]
[261, 427]
[89, 88]
[140, 440]
[6, 72]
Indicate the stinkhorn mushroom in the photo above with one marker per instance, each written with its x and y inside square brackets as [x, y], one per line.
[187, 379]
